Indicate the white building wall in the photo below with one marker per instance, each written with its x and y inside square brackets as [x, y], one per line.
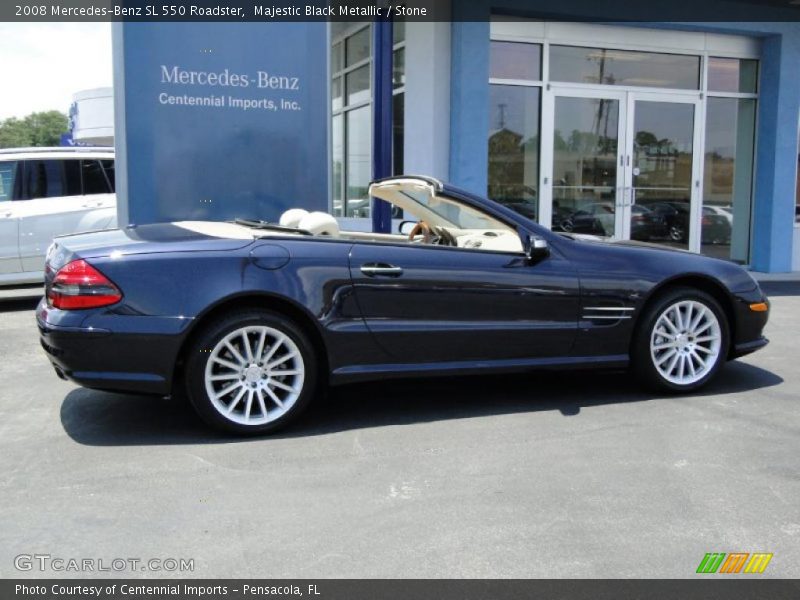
[93, 120]
[427, 99]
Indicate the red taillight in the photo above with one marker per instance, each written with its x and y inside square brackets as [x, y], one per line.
[706, 220]
[79, 285]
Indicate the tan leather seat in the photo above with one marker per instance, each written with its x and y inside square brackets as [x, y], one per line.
[320, 223]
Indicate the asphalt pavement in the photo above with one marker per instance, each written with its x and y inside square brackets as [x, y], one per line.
[542, 475]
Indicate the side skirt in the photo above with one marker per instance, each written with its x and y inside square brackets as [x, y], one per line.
[354, 373]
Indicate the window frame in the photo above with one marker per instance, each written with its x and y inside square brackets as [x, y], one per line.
[544, 84]
[341, 75]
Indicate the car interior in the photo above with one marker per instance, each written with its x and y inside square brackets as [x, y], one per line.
[432, 219]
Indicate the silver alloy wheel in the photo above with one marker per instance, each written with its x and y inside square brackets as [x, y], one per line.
[685, 342]
[254, 375]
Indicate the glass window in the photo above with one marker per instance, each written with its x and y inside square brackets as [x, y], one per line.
[351, 130]
[727, 189]
[108, 166]
[514, 147]
[94, 178]
[358, 88]
[513, 60]
[336, 93]
[72, 177]
[585, 142]
[338, 164]
[624, 67]
[452, 213]
[398, 32]
[732, 75]
[337, 62]
[399, 68]
[398, 138]
[358, 162]
[8, 179]
[44, 178]
[357, 47]
[663, 153]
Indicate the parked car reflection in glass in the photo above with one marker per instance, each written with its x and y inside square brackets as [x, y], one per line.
[598, 219]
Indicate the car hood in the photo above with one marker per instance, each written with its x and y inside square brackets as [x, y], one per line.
[661, 262]
[650, 245]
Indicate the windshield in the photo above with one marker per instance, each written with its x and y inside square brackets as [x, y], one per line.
[453, 213]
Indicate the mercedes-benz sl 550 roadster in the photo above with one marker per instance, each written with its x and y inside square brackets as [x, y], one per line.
[253, 319]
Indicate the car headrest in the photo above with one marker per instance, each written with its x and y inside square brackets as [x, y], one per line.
[292, 217]
[320, 223]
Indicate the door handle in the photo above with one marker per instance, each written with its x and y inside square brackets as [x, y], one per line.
[381, 270]
[628, 196]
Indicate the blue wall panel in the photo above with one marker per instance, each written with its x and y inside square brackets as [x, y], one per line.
[261, 148]
[776, 154]
[469, 98]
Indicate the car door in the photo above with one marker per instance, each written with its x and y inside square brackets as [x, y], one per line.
[9, 223]
[55, 205]
[441, 304]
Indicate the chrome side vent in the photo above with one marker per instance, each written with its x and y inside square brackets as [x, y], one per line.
[607, 314]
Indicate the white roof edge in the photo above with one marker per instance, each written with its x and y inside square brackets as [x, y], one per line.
[59, 150]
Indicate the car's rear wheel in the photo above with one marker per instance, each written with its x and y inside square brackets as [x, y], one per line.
[682, 341]
[251, 372]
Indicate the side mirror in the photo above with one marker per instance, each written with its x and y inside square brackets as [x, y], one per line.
[536, 249]
[406, 227]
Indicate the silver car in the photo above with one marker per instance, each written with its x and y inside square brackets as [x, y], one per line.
[45, 192]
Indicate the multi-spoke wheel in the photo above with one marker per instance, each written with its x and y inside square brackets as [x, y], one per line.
[682, 340]
[251, 372]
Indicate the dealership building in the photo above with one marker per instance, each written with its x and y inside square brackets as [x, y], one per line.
[678, 133]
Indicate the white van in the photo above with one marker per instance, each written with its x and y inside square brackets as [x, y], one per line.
[45, 192]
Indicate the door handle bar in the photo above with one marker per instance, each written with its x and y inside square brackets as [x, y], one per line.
[372, 270]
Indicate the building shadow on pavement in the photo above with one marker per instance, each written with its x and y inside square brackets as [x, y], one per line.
[104, 419]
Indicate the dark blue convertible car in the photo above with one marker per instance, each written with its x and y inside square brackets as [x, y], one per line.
[252, 318]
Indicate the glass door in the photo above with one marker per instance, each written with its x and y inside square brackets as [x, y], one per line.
[622, 165]
[661, 171]
[582, 184]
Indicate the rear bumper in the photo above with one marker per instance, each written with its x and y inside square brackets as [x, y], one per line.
[100, 359]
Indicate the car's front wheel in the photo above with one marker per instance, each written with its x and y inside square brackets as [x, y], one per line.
[251, 372]
[682, 341]
[677, 233]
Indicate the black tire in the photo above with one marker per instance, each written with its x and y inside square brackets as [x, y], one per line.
[642, 360]
[200, 354]
[677, 233]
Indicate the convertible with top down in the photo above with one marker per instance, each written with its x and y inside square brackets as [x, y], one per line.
[252, 319]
